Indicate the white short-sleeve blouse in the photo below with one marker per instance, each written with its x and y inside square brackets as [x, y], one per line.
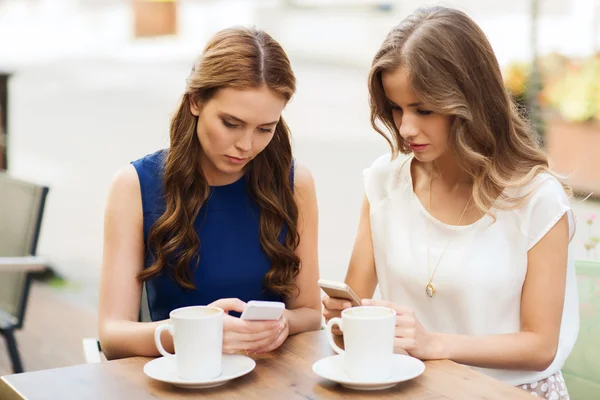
[480, 278]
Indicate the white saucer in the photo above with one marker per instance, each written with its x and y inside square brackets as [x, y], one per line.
[233, 366]
[404, 368]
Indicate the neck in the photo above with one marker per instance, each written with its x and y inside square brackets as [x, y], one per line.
[214, 177]
[447, 170]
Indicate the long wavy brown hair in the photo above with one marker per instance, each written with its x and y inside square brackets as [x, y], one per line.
[453, 71]
[239, 58]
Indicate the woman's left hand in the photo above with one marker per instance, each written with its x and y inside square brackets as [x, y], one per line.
[411, 336]
[283, 334]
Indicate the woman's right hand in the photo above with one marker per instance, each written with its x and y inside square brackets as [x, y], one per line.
[333, 309]
[246, 336]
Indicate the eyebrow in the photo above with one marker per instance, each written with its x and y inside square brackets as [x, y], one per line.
[241, 121]
[410, 105]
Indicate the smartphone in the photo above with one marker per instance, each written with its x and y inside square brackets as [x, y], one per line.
[340, 290]
[263, 310]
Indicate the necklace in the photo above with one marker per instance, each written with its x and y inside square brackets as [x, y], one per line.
[430, 289]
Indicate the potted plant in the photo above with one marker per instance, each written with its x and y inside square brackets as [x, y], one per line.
[516, 75]
[571, 98]
[520, 83]
[154, 17]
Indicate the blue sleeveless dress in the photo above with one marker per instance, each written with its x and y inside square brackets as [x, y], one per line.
[232, 261]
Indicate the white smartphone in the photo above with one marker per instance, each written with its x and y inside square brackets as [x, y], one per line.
[340, 290]
[263, 310]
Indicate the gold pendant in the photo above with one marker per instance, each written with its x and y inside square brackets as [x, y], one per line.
[430, 290]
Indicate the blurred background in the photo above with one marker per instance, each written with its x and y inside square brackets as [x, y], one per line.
[90, 85]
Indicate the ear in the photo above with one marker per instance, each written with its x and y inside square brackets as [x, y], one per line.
[195, 109]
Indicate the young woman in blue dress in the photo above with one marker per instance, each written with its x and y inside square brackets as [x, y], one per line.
[222, 217]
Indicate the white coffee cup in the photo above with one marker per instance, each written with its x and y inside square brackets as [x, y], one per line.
[198, 339]
[368, 341]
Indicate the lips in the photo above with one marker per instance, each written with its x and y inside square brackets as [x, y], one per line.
[417, 146]
[236, 160]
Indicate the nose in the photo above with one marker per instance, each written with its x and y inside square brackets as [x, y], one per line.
[407, 126]
[244, 143]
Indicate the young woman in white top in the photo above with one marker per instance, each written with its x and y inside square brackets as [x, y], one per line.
[468, 232]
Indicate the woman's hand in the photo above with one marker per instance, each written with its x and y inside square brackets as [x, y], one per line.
[248, 336]
[333, 309]
[411, 336]
[283, 334]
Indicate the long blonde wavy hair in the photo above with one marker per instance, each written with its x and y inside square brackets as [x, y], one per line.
[453, 70]
[239, 58]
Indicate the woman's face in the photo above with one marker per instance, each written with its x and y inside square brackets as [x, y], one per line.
[426, 132]
[234, 126]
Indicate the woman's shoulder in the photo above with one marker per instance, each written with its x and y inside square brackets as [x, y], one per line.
[150, 162]
[545, 201]
[132, 180]
[384, 175]
[150, 171]
[304, 183]
[125, 180]
[303, 178]
[544, 186]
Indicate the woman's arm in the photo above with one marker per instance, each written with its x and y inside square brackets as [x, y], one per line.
[361, 275]
[121, 335]
[534, 348]
[304, 310]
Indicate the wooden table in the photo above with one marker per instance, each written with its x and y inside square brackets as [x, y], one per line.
[283, 374]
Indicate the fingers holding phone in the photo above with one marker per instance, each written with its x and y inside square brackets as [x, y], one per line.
[260, 325]
[339, 296]
[338, 290]
[333, 307]
[246, 336]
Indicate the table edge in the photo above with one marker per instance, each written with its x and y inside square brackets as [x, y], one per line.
[7, 389]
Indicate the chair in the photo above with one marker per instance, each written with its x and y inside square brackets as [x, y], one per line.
[582, 369]
[21, 210]
[91, 346]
